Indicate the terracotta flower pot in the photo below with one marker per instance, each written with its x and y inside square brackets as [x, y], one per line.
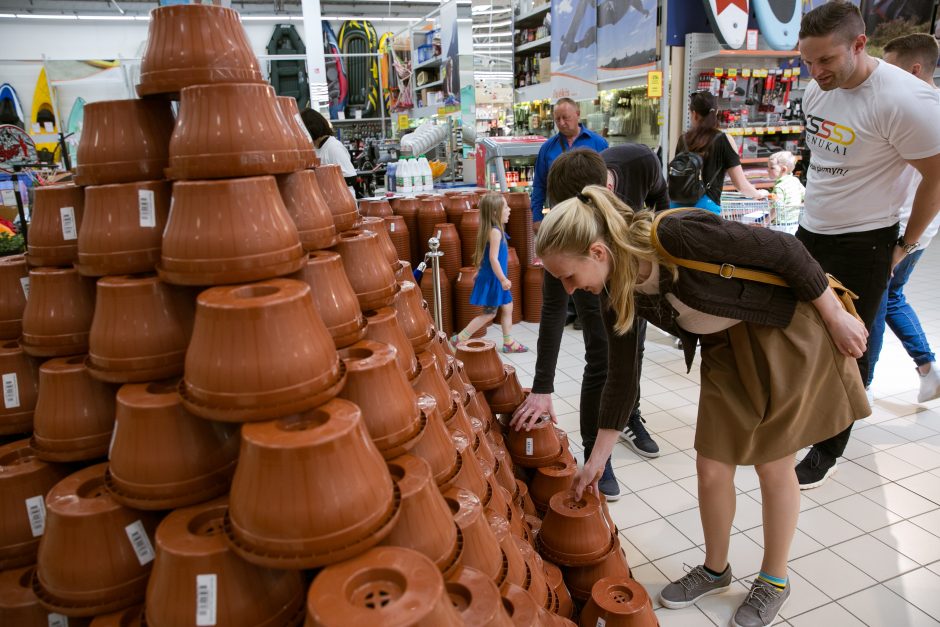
[447, 299]
[377, 226]
[58, 312]
[508, 396]
[163, 457]
[469, 228]
[231, 130]
[302, 140]
[482, 363]
[575, 533]
[532, 294]
[481, 446]
[124, 141]
[96, 555]
[459, 420]
[307, 208]
[375, 207]
[180, 52]
[140, 330]
[20, 389]
[430, 381]
[14, 286]
[426, 524]
[398, 233]
[520, 606]
[412, 316]
[556, 581]
[341, 202]
[230, 231]
[481, 550]
[450, 246]
[520, 226]
[619, 602]
[503, 471]
[367, 269]
[130, 617]
[19, 606]
[534, 448]
[24, 482]
[516, 571]
[455, 205]
[74, 415]
[480, 408]
[56, 222]
[430, 212]
[580, 579]
[438, 347]
[407, 208]
[477, 599]
[382, 326]
[514, 274]
[322, 456]
[381, 390]
[403, 271]
[388, 586]
[471, 474]
[122, 229]
[193, 560]
[287, 364]
[334, 297]
[550, 480]
[435, 446]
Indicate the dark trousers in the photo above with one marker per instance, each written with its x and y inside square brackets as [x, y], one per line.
[862, 261]
[588, 306]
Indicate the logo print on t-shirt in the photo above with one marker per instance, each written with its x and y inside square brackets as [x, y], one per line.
[829, 135]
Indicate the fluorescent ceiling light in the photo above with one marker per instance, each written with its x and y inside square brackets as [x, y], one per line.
[493, 24]
[371, 19]
[491, 34]
[113, 18]
[495, 44]
[31, 16]
[7, 15]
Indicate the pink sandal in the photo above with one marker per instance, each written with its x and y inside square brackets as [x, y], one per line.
[515, 347]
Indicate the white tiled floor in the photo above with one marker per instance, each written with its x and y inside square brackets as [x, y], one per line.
[867, 549]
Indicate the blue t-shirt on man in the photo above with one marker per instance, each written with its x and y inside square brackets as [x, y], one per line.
[549, 151]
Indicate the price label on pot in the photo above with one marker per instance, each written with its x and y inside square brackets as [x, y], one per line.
[601, 622]
[141, 543]
[24, 283]
[36, 510]
[392, 227]
[69, 229]
[148, 214]
[11, 391]
[58, 620]
[529, 446]
[205, 600]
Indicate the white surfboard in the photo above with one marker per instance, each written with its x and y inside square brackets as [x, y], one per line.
[729, 20]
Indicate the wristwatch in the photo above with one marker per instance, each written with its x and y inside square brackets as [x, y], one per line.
[908, 248]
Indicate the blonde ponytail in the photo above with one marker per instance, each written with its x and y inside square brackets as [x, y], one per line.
[596, 214]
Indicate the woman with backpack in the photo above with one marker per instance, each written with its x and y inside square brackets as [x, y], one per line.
[703, 157]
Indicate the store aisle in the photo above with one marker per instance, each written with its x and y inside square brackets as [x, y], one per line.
[867, 548]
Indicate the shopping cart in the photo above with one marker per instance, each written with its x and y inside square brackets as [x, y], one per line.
[758, 212]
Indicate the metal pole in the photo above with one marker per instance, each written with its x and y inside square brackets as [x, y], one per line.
[19, 206]
[434, 245]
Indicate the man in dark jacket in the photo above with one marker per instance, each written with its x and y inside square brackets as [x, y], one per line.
[634, 173]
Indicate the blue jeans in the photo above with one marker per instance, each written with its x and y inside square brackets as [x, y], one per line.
[703, 203]
[901, 317]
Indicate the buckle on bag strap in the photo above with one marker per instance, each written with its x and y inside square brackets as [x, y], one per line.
[726, 271]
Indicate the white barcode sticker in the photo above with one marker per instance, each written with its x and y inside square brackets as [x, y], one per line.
[69, 230]
[58, 620]
[24, 283]
[11, 391]
[7, 197]
[141, 543]
[148, 213]
[300, 122]
[36, 510]
[392, 227]
[601, 622]
[529, 446]
[205, 600]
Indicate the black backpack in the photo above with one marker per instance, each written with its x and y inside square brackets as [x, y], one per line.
[686, 185]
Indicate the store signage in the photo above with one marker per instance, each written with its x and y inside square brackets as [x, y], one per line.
[751, 41]
[403, 121]
[654, 84]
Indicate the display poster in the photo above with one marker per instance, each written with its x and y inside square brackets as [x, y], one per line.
[626, 36]
[450, 62]
[574, 49]
[654, 84]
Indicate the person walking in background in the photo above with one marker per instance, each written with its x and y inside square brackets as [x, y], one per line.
[330, 150]
[867, 121]
[916, 53]
[788, 193]
[769, 363]
[718, 151]
[491, 287]
[634, 173]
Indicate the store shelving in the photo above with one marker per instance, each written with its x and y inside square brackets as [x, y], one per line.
[434, 62]
[543, 44]
[436, 83]
[354, 120]
[534, 16]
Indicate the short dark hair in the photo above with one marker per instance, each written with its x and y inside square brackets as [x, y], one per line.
[917, 47]
[316, 124]
[572, 171]
[835, 17]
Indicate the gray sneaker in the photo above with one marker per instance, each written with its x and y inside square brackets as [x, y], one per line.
[695, 585]
[761, 605]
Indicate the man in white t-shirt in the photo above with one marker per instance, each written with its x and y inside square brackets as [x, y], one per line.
[866, 122]
[917, 54]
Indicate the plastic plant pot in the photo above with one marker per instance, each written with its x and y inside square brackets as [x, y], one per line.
[58, 313]
[539, 446]
[20, 391]
[341, 201]
[366, 268]
[575, 532]
[477, 599]
[308, 209]
[619, 602]
[57, 217]
[382, 326]
[481, 549]
[334, 297]
[482, 363]
[14, 285]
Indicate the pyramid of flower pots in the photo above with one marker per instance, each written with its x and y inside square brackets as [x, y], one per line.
[220, 386]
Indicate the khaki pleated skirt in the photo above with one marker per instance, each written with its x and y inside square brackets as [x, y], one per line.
[768, 392]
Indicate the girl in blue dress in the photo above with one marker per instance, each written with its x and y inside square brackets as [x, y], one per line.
[491, 287]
